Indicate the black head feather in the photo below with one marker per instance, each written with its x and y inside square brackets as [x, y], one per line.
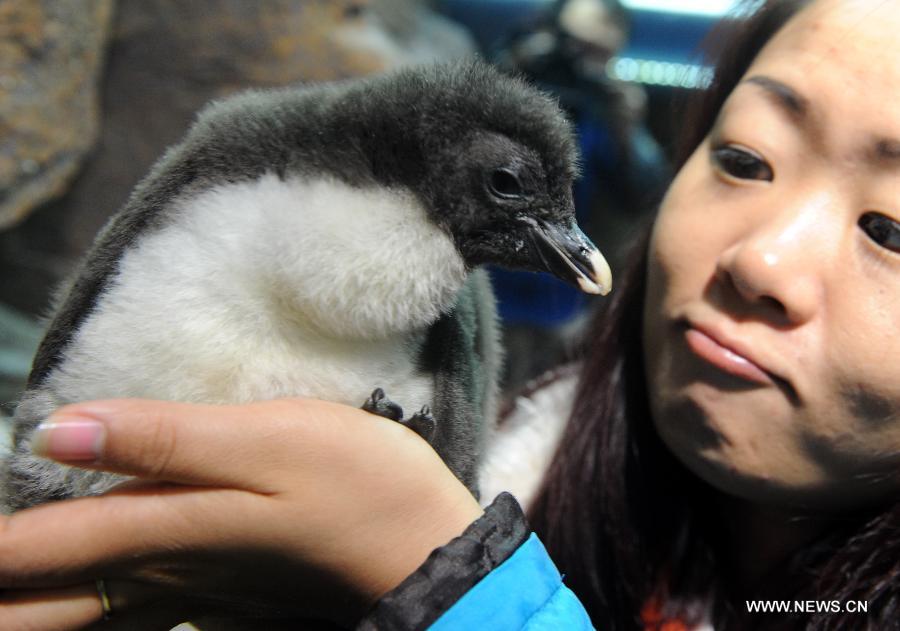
[480, 148]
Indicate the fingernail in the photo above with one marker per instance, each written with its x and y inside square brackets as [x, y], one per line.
[69, 438]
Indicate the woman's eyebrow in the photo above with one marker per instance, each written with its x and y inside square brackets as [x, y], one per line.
[882, 152]
[785, 97]
[887, 152]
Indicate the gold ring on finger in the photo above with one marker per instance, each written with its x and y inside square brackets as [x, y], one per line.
[104, 598]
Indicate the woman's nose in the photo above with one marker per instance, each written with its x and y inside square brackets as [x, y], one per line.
[776, 266]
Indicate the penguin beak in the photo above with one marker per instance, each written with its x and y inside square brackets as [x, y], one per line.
[569, 255]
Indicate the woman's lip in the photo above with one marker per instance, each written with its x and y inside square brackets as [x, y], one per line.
[724, 358]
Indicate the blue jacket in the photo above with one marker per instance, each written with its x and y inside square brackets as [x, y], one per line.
[495, 576]
[525, 592]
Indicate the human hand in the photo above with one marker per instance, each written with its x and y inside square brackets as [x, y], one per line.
[290, 508]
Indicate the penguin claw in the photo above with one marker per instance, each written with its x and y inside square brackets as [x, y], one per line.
[379, 404]
[421, 422]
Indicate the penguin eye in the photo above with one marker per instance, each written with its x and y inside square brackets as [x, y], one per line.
[505, 184]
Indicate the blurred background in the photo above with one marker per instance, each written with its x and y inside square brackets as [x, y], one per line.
[92, 91]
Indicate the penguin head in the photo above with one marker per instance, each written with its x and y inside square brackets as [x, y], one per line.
[493, 160]
[504, 205]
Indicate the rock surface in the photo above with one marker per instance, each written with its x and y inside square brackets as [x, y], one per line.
[50, 61]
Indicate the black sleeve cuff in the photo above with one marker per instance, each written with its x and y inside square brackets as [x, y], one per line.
[451, 570]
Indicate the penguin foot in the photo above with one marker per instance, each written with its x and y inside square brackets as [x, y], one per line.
[379, 404]
[422, 423]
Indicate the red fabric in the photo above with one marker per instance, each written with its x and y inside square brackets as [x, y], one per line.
[652, 618]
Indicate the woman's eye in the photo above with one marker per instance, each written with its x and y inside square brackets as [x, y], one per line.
[742, 164]
[882, 230]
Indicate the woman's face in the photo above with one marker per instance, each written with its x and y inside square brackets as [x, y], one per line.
[772, 325]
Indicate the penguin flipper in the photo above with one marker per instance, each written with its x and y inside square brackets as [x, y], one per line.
[422, 423]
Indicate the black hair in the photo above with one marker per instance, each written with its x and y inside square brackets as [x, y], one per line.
[623, 518]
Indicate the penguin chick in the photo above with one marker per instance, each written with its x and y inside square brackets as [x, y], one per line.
[319, 241]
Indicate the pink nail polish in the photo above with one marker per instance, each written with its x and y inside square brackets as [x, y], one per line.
[76, 439]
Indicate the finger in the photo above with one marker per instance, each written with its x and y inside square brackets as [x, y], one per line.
[134, 606]
[58, 609]
[184, 443]
[78, 540]
[142, 607]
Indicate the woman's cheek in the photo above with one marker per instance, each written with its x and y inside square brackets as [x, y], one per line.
[684, 236]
